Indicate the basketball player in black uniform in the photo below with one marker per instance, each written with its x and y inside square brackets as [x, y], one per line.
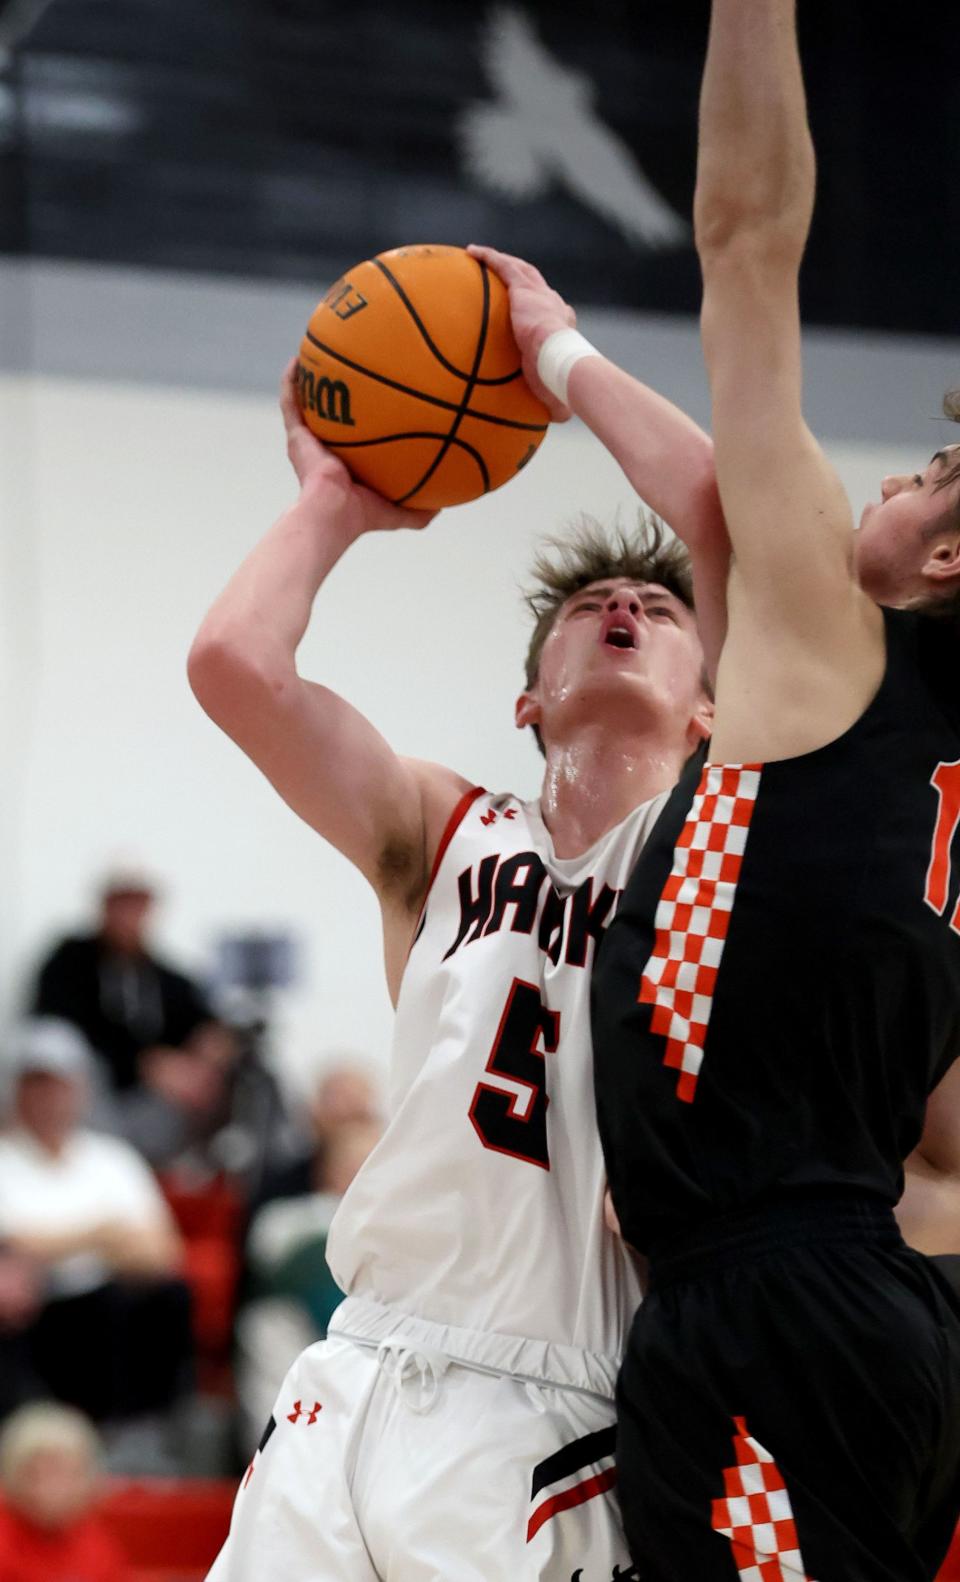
[780, 990]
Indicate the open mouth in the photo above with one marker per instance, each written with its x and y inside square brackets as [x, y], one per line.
[621, 634]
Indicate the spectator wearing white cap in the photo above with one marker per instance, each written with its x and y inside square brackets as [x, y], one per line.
[112, 1335]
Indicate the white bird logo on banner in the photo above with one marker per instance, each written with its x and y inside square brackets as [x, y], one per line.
[542, 129]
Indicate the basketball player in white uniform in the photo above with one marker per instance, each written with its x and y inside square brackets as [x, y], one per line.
[458, 1421]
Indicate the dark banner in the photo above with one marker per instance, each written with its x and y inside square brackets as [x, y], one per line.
[291, 138]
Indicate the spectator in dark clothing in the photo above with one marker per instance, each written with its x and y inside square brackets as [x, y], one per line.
[345, 1094]
[21, 1298]
[162, 1054]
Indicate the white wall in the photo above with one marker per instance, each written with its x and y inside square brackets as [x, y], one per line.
[124, 506]
[144, 500]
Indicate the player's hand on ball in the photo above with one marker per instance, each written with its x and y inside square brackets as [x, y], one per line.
[536, 311]
[316, 467]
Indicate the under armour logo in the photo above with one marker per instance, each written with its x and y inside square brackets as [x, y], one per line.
[300, 1411]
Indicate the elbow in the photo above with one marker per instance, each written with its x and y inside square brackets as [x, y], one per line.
[769, 220]
[702, 476]
[214, 668]
[226, 677]
[734, 234]
[701, 491]
[699, 520]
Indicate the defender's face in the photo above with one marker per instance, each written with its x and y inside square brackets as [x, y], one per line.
[898, 534]
[617, 645]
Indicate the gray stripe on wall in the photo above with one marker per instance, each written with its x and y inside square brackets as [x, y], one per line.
[220, 333]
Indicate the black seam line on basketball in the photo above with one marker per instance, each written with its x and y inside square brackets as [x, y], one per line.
[504, 379]
[574, 1458]
[467, 393]
[421, 395]
[388, 439]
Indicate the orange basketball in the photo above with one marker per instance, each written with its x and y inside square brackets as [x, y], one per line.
[409, 372]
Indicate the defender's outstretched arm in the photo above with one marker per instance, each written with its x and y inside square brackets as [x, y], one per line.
[752, 213]
[755, 167]
[794, 601]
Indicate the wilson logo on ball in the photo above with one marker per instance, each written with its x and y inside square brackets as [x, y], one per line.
[328, 398]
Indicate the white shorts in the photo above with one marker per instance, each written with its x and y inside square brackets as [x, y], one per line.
[403, 1451]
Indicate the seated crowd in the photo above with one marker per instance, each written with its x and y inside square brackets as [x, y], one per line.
[155, 1279]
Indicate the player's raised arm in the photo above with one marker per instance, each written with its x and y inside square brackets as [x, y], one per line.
[786, 510]
[325, 759]
[666, 455]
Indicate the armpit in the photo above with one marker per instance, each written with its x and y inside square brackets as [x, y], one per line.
[400, 874]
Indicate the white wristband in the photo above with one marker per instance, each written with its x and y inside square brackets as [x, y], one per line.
[557, 356]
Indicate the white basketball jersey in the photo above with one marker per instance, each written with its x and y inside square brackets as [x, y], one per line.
[482, 1205]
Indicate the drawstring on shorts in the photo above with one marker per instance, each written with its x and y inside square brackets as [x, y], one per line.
[415, 1371]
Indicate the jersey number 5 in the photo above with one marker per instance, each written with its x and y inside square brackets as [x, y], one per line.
[504, 1121]
[946, 782]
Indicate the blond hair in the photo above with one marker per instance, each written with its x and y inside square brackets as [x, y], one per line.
[44, 1425]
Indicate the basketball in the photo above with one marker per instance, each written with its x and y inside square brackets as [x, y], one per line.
[410, 373]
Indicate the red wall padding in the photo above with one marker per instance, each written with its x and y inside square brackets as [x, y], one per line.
[170, 1529]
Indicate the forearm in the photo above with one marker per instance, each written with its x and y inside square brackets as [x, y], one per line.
[127, 1249]
[669, 461]
[259, 619]
[755, 167]
[929, 1210]
[46, 1247]
[666, 456]
[155, 1250]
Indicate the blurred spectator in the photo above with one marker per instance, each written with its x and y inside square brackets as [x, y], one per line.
[111, 1333]
[345, 1093]
[49, 1476]
[291, 1294]
[163, 1056]
[21, 1297]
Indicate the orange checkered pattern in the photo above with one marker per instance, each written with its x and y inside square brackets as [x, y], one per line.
[694, 914]
[756, 1515]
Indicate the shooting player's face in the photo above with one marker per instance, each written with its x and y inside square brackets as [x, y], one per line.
[620, 651]
[910, 532]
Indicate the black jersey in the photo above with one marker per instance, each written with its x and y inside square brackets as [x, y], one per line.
[780, 989]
